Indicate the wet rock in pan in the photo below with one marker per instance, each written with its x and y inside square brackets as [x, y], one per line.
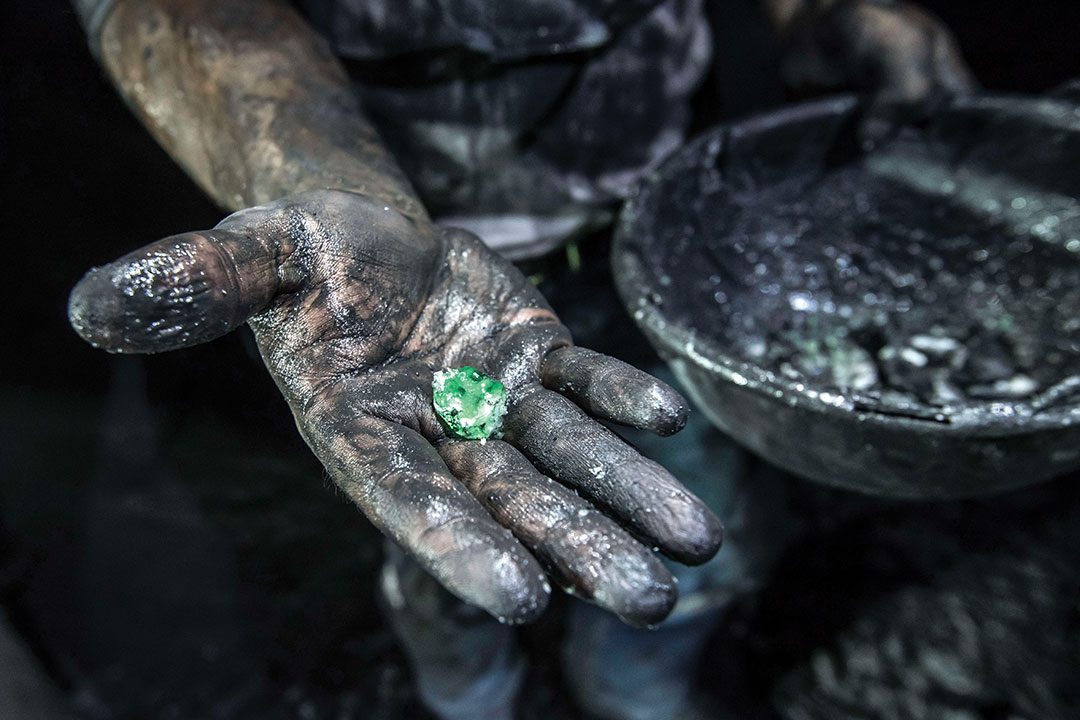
[901, 274]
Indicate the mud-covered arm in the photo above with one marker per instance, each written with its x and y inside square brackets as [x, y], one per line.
[245, 97]
[895, 51]
[356, 300]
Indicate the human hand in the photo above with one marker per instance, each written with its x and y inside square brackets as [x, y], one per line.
[905, 58]
[354, 307]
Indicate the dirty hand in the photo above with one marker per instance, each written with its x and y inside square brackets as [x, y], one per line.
[354, 307]
[903, 56]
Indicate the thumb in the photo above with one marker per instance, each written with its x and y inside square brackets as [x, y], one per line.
[179, 291]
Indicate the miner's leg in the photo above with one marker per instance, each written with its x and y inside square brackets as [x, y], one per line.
[467, 665]
[619, 673]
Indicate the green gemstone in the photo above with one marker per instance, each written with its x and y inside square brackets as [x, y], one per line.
[470, 404]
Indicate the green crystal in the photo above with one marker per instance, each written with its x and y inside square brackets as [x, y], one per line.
[470, 404]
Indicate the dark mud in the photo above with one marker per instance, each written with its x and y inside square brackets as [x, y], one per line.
[905, 273]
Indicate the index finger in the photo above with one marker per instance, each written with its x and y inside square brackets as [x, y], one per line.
[402, 485]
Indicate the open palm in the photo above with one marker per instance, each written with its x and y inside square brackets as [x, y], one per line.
[354, 308]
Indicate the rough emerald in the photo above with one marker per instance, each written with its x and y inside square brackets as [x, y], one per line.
[470, 403]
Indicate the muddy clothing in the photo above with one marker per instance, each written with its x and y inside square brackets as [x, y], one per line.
[523, 121]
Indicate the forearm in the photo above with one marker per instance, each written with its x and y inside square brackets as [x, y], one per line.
[891, 49]
[248, 99]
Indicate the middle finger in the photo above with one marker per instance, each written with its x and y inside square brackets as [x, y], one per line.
[586, 553]
[565, 443]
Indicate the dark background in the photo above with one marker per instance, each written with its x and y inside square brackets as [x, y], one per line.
[170, 546]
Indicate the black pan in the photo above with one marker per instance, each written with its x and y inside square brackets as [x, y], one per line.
[901, 320]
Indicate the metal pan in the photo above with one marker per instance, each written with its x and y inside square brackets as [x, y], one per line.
[901, 320]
